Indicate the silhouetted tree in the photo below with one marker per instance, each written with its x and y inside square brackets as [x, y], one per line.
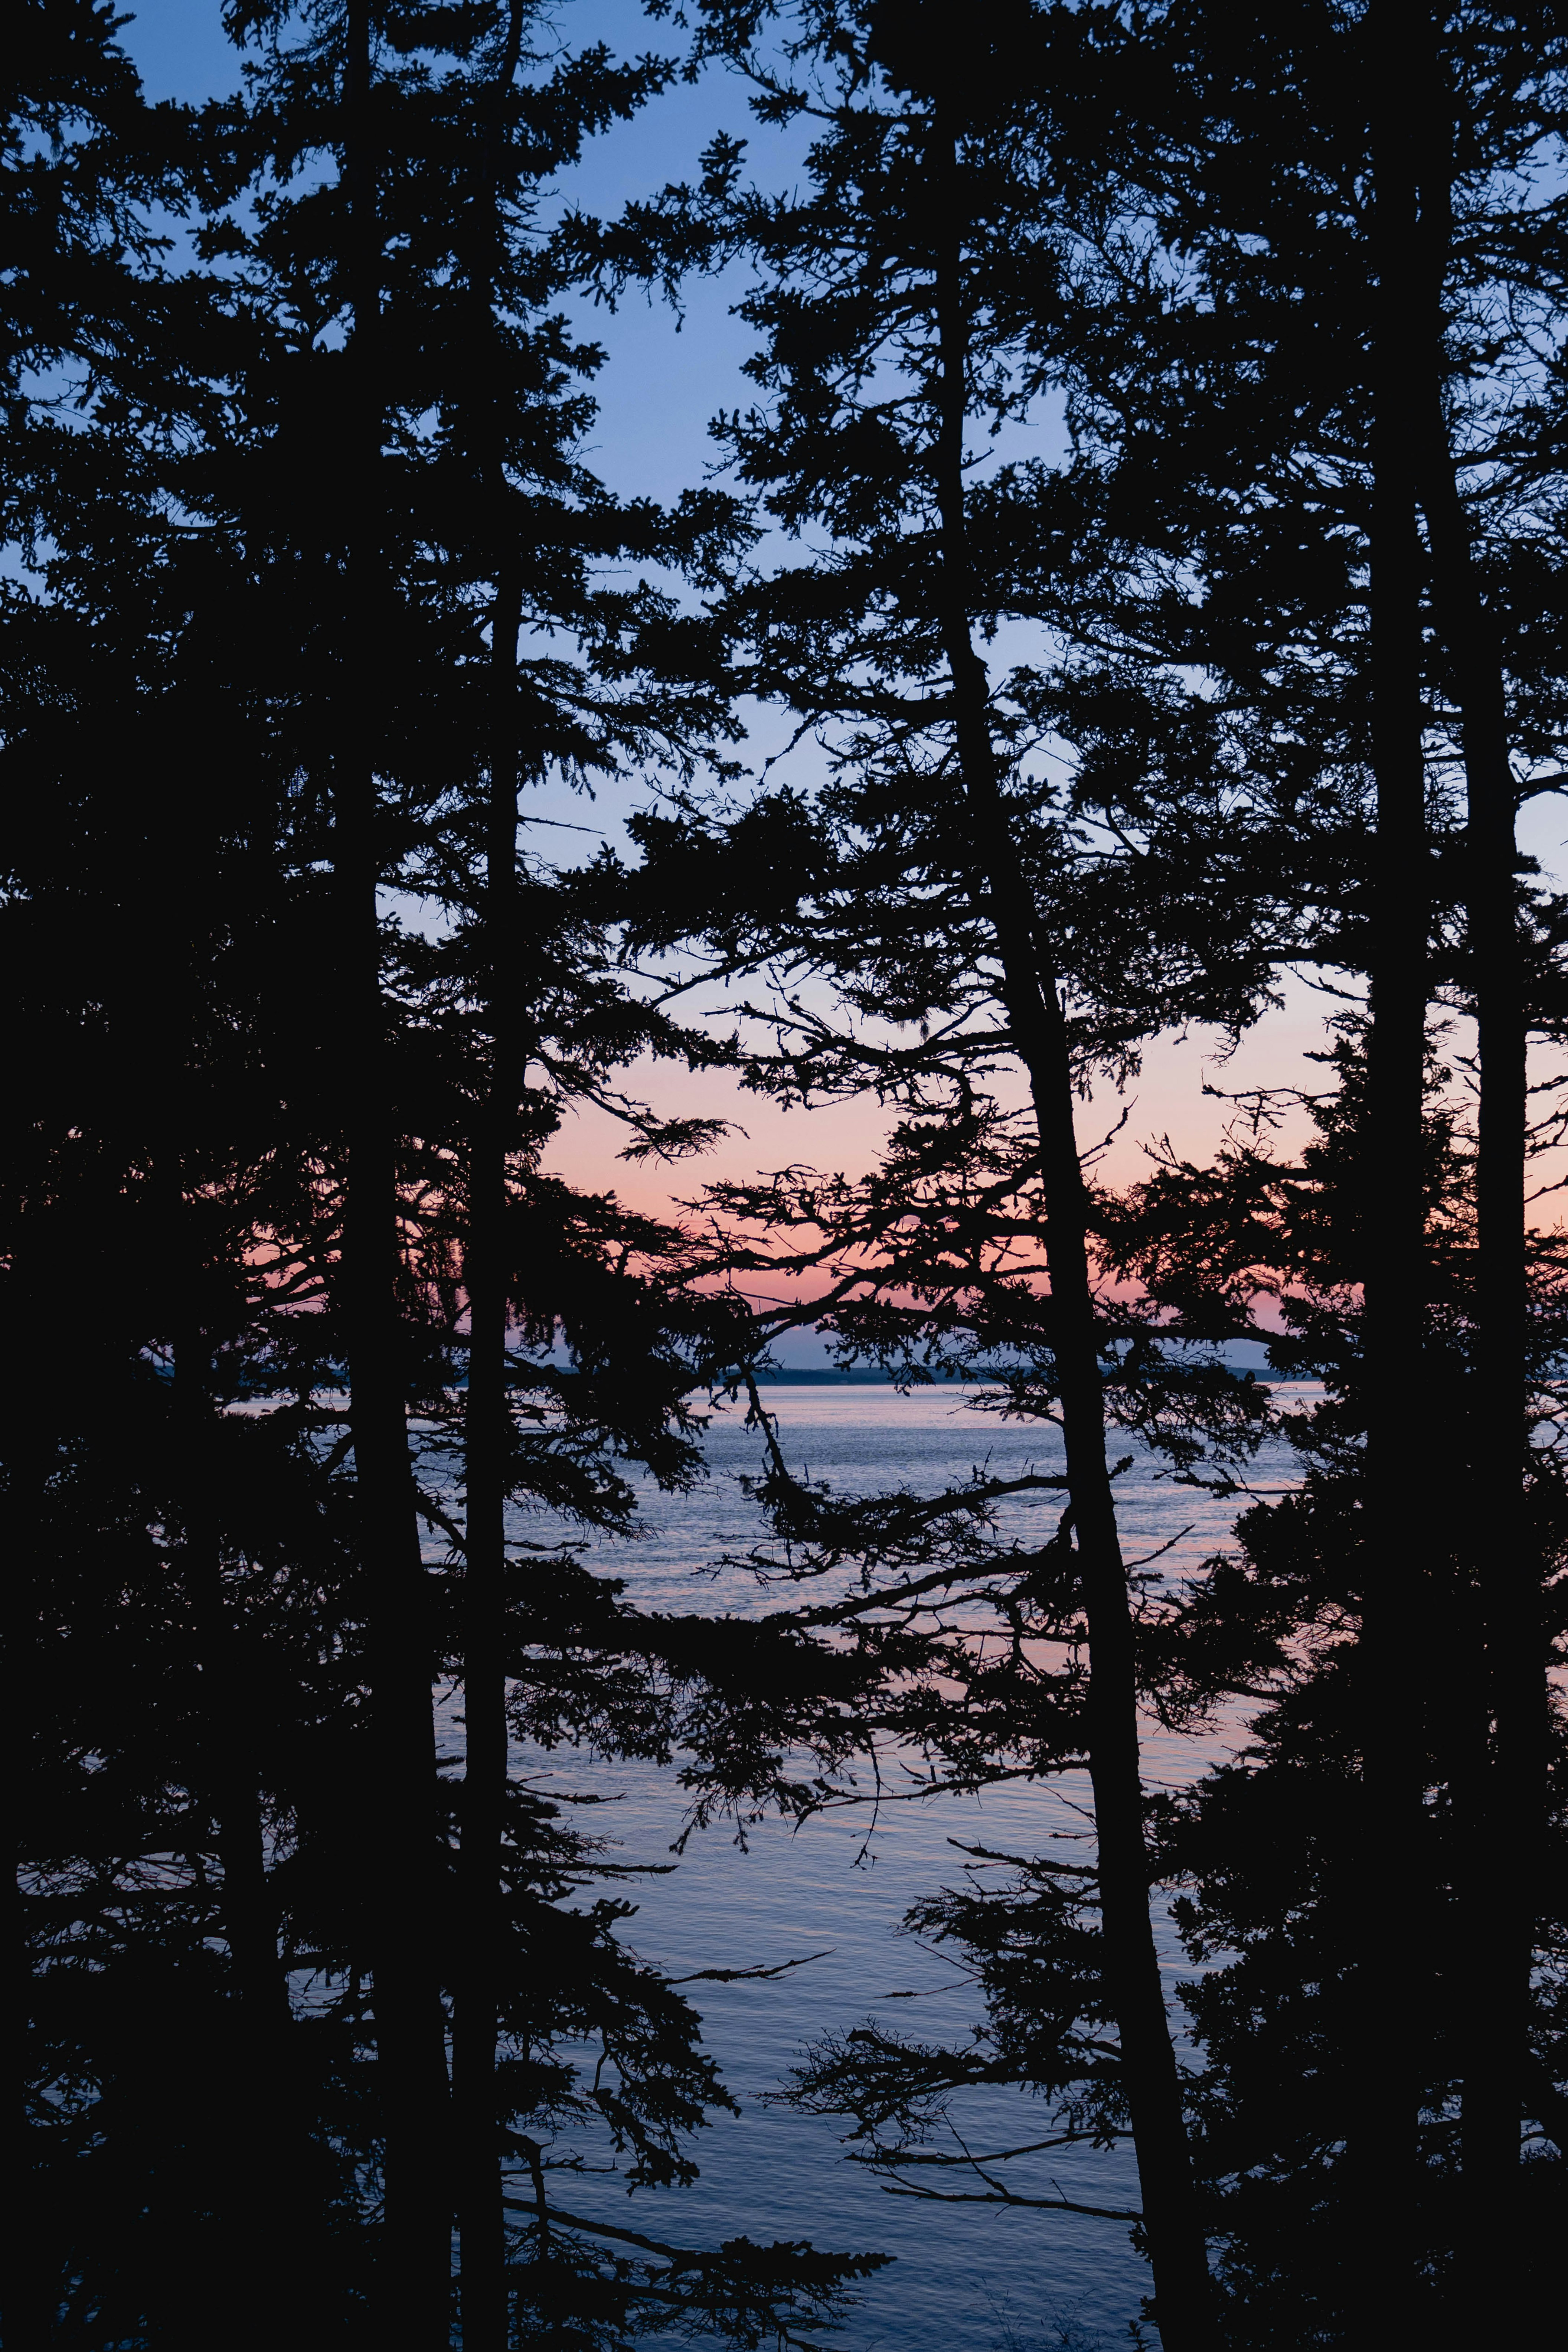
[310, 593]
[963, 906]
[1233, 272]
[249, 1154]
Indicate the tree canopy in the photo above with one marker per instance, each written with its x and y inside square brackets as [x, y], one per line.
[1144, 526]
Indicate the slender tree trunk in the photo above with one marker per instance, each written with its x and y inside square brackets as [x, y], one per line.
[231, 1769]
[487, 1434]
[264, 2225]
[481, 2213]
[30, 2280]
[1385, 2054]
[1506, 1808]
[399, 1838]
[1149, 2071]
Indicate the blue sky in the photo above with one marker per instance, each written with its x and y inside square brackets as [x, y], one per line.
[663, 381]
[666, 378]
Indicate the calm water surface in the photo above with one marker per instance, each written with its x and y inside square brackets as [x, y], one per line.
[969, 2276]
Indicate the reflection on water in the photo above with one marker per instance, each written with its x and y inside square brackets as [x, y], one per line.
[968, 2275]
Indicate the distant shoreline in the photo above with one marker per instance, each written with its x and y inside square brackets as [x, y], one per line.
[790, 1378]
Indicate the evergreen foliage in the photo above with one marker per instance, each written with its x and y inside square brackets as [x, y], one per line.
[1150, 517]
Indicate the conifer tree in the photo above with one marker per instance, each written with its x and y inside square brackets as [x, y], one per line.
[423, 172]
[1495, 127]
[310, 597]
[219, 587]
[1229, 375]
[944, 885]
[1462, 138]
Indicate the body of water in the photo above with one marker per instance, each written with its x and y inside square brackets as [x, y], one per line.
[975, 2276]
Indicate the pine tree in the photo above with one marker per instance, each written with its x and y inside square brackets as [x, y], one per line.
[1469, 131]
[964, 914]
[1253, 277]
[218, 587]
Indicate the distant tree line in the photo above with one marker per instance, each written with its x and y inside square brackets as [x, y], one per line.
[1166, 413]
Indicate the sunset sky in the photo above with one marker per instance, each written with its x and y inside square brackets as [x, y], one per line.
[664, 379]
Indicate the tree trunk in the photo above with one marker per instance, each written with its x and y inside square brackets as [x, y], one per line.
[30, 2282]
[481, 2214]
[1150, 2075]
[264, 2226]
[485, 1556]
[399, 1836]
[1505, 1811]
[1385, 2048]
